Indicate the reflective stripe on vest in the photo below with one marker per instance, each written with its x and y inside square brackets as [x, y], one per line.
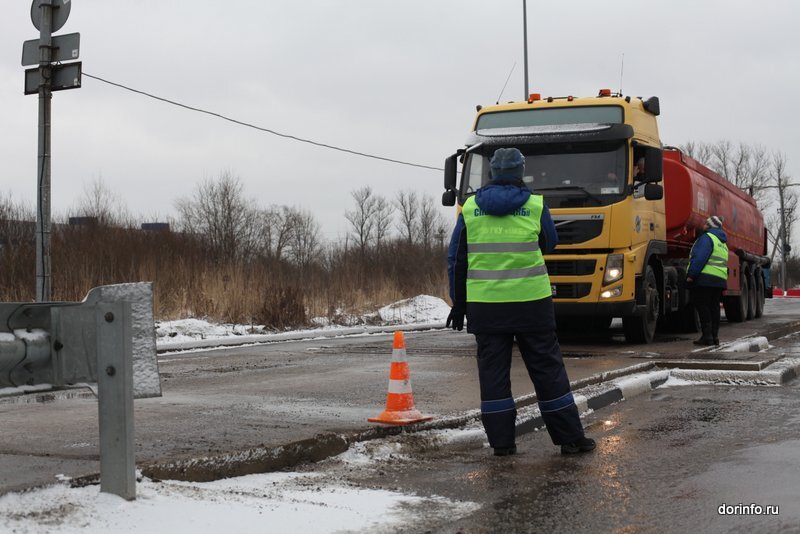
[717, 264]
[504, 263]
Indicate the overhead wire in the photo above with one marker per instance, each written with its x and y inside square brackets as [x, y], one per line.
[261, 128]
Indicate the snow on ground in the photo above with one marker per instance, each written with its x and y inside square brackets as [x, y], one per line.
[422, 309]
[273, 502]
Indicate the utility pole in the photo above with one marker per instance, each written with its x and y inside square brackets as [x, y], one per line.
[783, 243]
[43, 157]
[48, 51]
[525, 43]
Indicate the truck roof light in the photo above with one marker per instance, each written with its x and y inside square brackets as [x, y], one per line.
[605, 92]
[534, 97]
[570, 98]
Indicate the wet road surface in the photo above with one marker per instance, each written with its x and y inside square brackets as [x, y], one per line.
[665, 462]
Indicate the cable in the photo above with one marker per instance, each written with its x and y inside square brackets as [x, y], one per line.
[273, 132]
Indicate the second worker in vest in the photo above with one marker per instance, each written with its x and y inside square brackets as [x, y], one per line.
[707, 278]
[498, 279]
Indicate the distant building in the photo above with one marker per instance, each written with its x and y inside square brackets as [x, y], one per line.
[83, 221]
[156, 227]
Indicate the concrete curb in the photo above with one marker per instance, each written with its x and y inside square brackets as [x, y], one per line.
[592, 393]
[321, 446]
[754, 344]
[776, 374]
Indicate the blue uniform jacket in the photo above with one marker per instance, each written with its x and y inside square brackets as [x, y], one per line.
[500, 197]
[701, 251]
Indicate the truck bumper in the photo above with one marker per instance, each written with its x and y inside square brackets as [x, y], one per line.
[599, 309]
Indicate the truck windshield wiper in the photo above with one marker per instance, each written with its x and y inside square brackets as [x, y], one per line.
[570, 188]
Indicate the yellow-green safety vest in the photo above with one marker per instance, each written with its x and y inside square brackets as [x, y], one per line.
[717, 264]
[504, 263]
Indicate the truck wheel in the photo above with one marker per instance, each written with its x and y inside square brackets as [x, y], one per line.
[759, 294]
[736, 307]
[641, 327]
[751, 297]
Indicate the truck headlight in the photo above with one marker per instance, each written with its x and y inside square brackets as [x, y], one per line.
[611, 293]
[614, 269]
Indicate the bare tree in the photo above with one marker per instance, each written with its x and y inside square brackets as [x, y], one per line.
[278, 226]
[787, 205]
[220, 213]
[745, 166]
[362, 217]
[699, 151]
[305, 245]
[17, 221]
[100, 202]
[383, 219]
[431, 222]
[408, 208]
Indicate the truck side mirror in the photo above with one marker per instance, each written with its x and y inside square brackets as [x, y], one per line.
[450, 172]
[653, 164]
[449, 196]
[653, 191]
[652, 105]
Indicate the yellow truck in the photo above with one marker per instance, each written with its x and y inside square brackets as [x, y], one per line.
[626, 210]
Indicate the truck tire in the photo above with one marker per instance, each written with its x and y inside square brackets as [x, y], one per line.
[736, 306]
[641, 327]
[751, 297]
[760, 295]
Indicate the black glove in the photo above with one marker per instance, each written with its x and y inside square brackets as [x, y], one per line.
[456, 318]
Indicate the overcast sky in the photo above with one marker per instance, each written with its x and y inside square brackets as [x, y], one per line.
[396, 79]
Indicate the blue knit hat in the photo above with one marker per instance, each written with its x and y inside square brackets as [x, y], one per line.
[507, 163]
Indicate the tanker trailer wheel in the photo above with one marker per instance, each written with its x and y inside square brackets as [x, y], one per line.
[752, 297]
[641, 327]
[759, 294]
[736, 308]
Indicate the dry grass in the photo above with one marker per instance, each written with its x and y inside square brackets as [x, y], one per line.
[188, 282]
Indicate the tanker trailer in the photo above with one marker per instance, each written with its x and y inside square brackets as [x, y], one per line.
[693, 192]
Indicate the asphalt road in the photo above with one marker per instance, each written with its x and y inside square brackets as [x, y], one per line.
[666, 461]
[299, 397]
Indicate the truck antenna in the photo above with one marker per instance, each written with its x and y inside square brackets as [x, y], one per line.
[505, 84]
[621, 70]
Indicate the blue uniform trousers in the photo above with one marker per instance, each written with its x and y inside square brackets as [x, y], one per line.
[542, 356]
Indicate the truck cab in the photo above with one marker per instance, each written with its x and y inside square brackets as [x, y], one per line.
[597, 162]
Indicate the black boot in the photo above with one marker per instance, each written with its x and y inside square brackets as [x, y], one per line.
[706, 338]
[582, 445]
[715, 333]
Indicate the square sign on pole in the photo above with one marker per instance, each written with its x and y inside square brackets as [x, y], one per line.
[64, 48]
[66, 76]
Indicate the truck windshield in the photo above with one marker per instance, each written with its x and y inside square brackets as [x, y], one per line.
[571, 175]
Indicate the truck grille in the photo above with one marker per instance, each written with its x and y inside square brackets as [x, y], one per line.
[571, 291]
[577, 231]
[570, 267]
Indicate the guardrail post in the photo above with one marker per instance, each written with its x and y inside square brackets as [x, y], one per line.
[115, 399]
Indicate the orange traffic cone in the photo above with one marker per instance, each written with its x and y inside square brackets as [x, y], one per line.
[400, 408]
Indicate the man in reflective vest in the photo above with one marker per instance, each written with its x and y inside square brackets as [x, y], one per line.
[707, 278]
[498, 279]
